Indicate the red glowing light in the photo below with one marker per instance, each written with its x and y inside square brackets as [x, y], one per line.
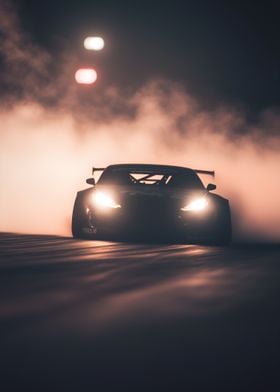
[85, 76]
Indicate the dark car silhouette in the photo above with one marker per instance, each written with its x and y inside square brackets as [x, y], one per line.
[143, 201]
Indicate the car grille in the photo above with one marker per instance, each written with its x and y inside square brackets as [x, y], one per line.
[148, 209]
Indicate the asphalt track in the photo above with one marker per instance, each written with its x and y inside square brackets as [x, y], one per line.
[104, 316]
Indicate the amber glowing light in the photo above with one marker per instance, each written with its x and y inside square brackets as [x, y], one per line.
[104, 200]
[196, 205]
[85, 76]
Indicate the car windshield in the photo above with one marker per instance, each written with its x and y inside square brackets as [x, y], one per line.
[186, 179]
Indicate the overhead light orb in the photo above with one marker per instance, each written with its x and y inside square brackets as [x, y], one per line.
[85, 76]
[94, 43]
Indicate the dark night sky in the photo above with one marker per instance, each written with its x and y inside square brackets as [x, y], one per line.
[221, 51]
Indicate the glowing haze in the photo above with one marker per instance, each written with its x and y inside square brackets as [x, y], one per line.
[52, 134]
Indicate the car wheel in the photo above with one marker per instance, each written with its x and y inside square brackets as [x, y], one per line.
[222, 234]
[80, 220]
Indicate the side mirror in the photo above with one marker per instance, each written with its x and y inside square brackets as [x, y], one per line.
[90, 181]
[211, 187]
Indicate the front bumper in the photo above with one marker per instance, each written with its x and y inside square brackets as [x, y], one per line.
[151, 224]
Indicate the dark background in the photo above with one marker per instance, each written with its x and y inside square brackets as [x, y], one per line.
[78, 314]
[221, 52]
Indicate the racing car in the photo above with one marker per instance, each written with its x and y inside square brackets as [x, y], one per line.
[148, 201]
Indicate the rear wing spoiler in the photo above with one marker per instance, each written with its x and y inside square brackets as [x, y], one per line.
[207, 172]
[94, 169]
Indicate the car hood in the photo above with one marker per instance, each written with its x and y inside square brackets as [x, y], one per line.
[150, 192]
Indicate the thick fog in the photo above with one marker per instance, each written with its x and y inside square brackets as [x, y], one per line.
[53, 131]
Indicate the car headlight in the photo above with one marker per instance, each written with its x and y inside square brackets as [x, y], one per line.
[104, 201]
[196, 205]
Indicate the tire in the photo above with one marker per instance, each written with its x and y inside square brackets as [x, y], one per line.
[79, 218]
[223, 231]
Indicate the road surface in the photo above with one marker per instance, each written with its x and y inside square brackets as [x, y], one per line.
[98, 316]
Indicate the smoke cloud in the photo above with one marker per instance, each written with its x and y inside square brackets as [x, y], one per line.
[53, 131]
